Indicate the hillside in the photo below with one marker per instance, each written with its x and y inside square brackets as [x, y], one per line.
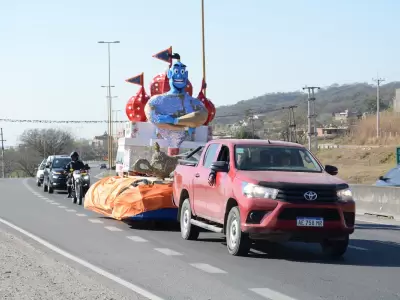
[335, 98]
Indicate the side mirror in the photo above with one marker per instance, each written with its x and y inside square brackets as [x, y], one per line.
[87, 167]
[332, 170]
[48, 165]
[220, 166]
[383, 178]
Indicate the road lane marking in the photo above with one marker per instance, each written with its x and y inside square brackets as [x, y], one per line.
[167, 251]
[86, 264]
[112, 228]
[95, 221]
[55, 203]
[81, 215]
[62, 207]
[271, 294]
[70, 210]
[137, 239]
[50, 201]
[358, 248]
[208, 268]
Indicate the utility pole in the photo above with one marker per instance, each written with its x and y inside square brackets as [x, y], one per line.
[378, 83]
[110, 128]
[292, 124]
[2, 153]
[312, 124]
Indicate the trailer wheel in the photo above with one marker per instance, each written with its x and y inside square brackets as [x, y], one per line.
[188, 231]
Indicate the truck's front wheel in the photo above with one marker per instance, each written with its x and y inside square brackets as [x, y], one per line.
[188, 231]
[238, 242]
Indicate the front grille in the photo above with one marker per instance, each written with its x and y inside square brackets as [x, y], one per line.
[294, 192]
[329, 214]
[297, 195]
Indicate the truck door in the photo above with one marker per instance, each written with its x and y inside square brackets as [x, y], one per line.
[201, 187]
[216, 194]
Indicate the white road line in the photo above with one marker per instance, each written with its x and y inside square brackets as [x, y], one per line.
[95, 221]
[271, 294]
[70, 210]
[167, 251]
[55, 203]
[81, 215]
[358, 248]
[208, 268]
[86, 264]
[62, 207]
[50, 201]
[112, 228]
[137, 239]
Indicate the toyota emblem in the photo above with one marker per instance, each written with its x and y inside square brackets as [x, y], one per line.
[310, 196]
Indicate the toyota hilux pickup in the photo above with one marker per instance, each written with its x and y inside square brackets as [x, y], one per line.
[263, 191]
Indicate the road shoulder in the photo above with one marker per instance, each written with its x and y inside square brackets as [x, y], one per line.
[27, 272]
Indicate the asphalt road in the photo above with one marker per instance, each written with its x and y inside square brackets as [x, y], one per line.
[160, 262]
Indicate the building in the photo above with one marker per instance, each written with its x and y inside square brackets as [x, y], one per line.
[100, 140]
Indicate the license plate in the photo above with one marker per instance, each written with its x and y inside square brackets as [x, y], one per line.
[310, 222]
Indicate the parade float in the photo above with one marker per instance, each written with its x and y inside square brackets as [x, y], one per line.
[162, 126]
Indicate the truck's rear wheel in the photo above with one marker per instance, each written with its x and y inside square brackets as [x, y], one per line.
[188, 231]
[238, 242]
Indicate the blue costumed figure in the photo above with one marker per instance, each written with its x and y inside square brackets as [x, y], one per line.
[176, 113]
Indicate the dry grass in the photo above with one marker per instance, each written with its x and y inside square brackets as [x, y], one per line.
[361, 165]
[364, 132]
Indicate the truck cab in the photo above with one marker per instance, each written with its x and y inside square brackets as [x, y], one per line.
[262, 190]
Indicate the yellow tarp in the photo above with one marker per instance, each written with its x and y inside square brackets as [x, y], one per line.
[116, 197]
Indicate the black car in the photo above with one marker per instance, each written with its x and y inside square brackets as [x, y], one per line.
[55, 177]
[103, 166]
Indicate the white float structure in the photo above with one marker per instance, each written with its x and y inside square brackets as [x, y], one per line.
[139, 141]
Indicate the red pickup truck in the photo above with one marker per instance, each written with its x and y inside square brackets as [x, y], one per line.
[262, 190]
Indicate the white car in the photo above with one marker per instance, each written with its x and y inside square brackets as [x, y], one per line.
[40, 173]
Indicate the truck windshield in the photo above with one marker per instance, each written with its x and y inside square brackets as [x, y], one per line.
[274, 158]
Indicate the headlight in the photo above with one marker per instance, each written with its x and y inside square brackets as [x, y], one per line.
[86, 177]
[55, 176]
[345, 195]
[251, 190]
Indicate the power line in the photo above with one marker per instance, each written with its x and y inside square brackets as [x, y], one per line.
[56, 121]
[378, 83]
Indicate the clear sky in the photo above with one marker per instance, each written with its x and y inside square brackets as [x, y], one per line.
[51, 66]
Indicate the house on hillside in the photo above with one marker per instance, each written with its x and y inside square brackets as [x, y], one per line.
[100, 140]
[345, 116]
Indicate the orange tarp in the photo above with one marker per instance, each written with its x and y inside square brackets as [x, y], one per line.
[116, 197]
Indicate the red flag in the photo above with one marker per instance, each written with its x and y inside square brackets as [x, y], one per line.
[136, 80]
[165, 55]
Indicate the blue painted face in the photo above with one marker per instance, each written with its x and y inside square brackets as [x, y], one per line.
[178, 76]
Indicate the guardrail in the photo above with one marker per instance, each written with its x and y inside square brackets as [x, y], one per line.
[376, 200]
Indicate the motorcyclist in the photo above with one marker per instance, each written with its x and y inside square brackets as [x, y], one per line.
[73, 165]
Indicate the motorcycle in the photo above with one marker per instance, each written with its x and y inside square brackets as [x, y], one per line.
[80, 184]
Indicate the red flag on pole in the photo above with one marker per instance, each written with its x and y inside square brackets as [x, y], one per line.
[165, 55]
[136, 80]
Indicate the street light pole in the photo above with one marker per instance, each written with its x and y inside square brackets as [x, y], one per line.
[203, 44]
[116, 122]
[110, 129]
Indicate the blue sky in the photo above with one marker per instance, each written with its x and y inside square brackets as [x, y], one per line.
[51, 66]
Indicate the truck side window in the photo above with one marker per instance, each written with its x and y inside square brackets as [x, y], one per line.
[210, 155]
[224, 154]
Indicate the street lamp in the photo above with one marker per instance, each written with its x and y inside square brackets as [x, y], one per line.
[203, 44]
[110, 150]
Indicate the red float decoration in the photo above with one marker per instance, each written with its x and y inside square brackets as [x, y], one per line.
[208, 104]
[135, 106]
[160, 85]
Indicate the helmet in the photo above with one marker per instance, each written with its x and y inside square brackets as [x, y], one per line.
[74, 155]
